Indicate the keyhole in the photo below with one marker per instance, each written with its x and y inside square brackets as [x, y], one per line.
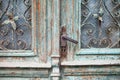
[63, 49]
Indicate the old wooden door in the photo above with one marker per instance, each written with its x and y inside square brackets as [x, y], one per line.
[32, 46]
[27, 35]
[95, 25]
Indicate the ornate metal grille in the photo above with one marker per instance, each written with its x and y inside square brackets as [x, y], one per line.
[100, 24]
[15, 25]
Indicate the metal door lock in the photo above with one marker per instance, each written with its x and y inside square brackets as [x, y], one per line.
[64, 38]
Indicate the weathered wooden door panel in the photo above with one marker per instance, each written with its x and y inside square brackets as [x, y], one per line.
[81, 20]
[70, 19]
[27, 38]
[95, 25]
[91, 72]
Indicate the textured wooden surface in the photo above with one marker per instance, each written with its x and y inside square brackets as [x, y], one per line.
[70, 18]
[91, 62]
[23, 78]
[44, 61]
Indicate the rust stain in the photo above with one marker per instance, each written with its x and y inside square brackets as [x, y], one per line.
[34, 1]
[43, 58]
[51, 22]
[50, 52]
[67, 7]
[77, 34]
[82, 69]
[52, 15]
[38, 6]
[12, 73]
[18, 58]
[87, 77]
[39, 24]
[2, 59]
[36, 79]
[35, 49]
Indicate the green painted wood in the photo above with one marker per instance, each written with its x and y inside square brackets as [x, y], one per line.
[55, 26]
[89, 63]
[41, 30]
[109, 77]
[96, 57]
[50, 16]
[24, 64]
[91, 73]
[28, 64]
[9, 78]
[17, 53]
[103, 51]
[70, 18]
[24, 73]
[49, 26]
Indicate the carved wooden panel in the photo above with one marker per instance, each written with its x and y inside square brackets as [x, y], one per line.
[16, 61]
[100, 24]
[15, 25]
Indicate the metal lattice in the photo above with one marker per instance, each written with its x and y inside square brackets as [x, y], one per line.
[100, 26]
[15, 24]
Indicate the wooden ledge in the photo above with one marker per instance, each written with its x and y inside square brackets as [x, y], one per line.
[55, 75]
[24, 65]
[55, 56]
[96, 51]
[91, 62]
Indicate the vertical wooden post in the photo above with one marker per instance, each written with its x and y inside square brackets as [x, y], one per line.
[55, 75]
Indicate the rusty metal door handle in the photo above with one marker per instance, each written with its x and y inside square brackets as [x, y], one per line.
[64, 37]
[63, 40]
